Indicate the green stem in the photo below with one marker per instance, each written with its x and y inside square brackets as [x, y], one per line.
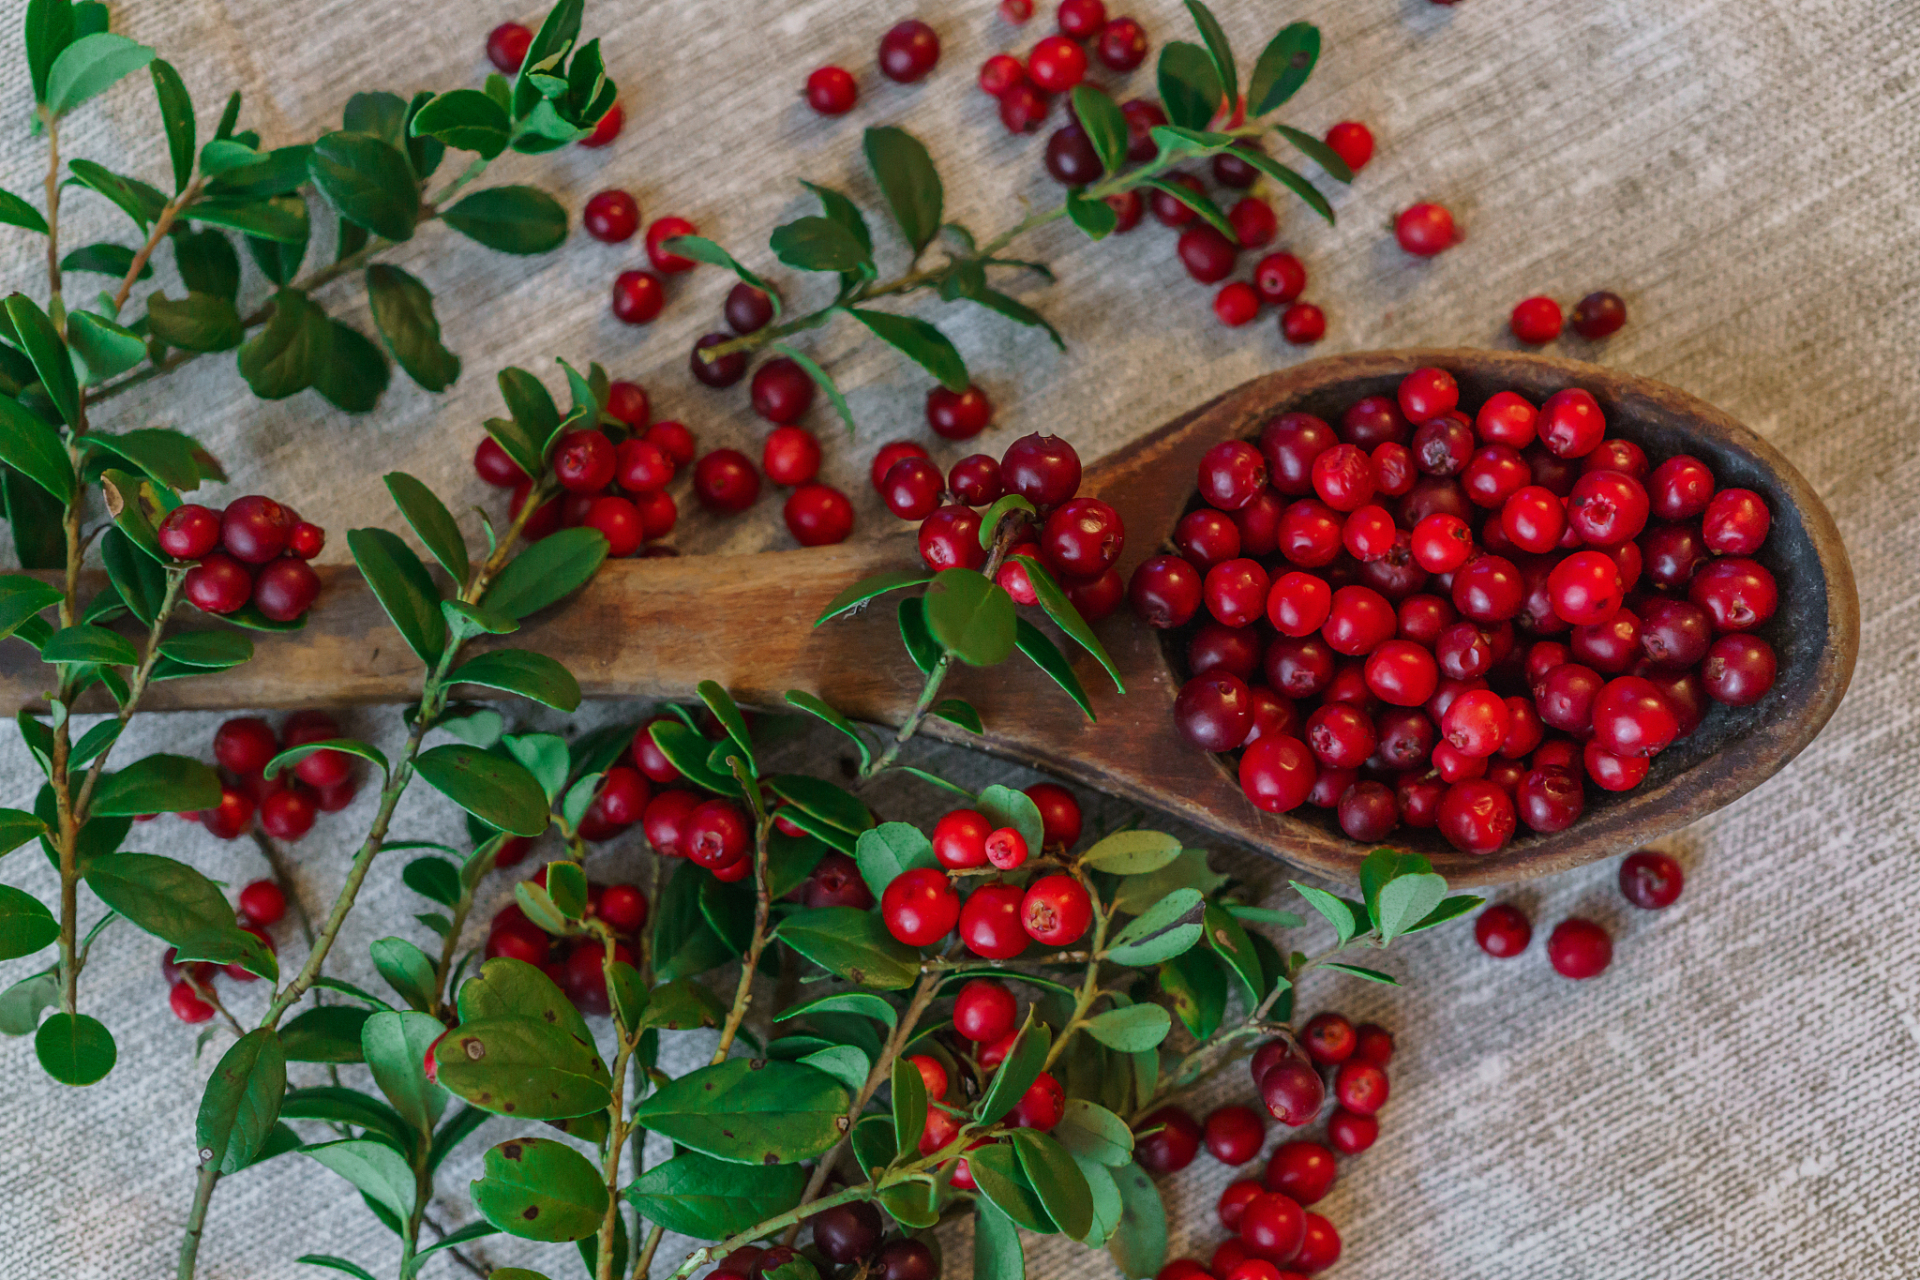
[196, 1223]
[451, 943]
[762, 912]
[136, 686]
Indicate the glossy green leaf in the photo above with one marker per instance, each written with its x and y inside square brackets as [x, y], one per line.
[1139, 1244]
[857, 1002]
[26, 925]
[916, 638]
[75, 1049]
[91, 65]
[359, 1272]
[368, 180]
[36, 335]
[971, 617]
[1003, 1183]
[198, 322]
[1336, 910]
[1017, 1072]
[1190, 88]
[919, 341]
[749, 1111]
[84, 644]
[512, 988]
[1196, 987]
[1283, 67]
[177, 904]
[22, 1003]
[851, 944]
[34, 450]
[466, 120]
[885, 851]
[1128, 853]
[282, 218]
[1054, 601]
[824, 800]
[279, 361]
[176, 116]
[531, 675]
[114, 260]
[207, 265]
[909, 1103]
[695, 1195]
[157, 784]
[546, 572]
[1292, 181]
[1131, 1030]
[406, 968]
[327, 1033]
[523, 1067]
[15, 212]
[103, 348]
[1230, 942]
[430, 521]
[403, 312]
[241, 1103]
[137, 199]
[867, 588]
[17, 826]
[908, 181]
[1450, 909]
[1005, 807]
[1319, 152]
[23, 598]
[497, 791]
[838, 208]
[1046, 655]
[376, 1169]
[817, 708]
[1161, 932]
[1104, 123]
[356, 373]
[1057, 1180]
[353, 747]
[961, 712]
[1219, 50]
[1090, 1130]
[405, 589]
[212, 650]
[701, 249]
[1095, 217]
[49, 29]
[540, 1189]
[519, 220]
[816, 243]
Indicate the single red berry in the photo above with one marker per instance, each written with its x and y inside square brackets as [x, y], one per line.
[1361, 1087]
[1059, 814]
[1081, 19]
[1425, 229]
[1000, 73]
[818, 515]
[1273, 1226]
[1023, 107]
[1082, 538]
[1352, 142]
[659, 232]
[920, 906]
[1343, 477]
[716, 834]
[1253, 221]
[1298, 604]
[888, 455]
[1476, 816]
[1231, 168]
[958, 415]
[1043, 1104]
[288, 814]
[1738, 671]
[847, 1233]
[1279, 278]
[831, 91]
[285, 589]
[218, 584]
[1236, 592]
[1328, 1039]
[1056, 64]
[1143, 116]
[1373, 1043]
[1127, 207]
[254, 529]
[1056, 911]
[790, 457]
[950, 538]
[782, 390]
[1207, 255]
[611, 216]
[623, 907]
[306, 540]
[1536, 320]
[1292, 1091]
[1427, 393]
[1351, 1134]
[1631, 719]
[189, 531]
[1503, 931]
[1735, 522]
[1236, 304]
[984, 1011]
[1043, 469]
[1651, 879]
[725, 481]
[244, 745]
[836, 882]
[262, 903]
[1737, 593]
[507, 46]
[1231, 1205]
[187, 1004]
[975, 480]
[1234, 1135]
[1320, 1245]
[1304, 1172]
[1016, 11]
[606, 128]
[1599, 314]
[1165, 591]
[1214, 711]
[1071, 158]
[1579, 949]
[908, 51]
[1277, 773]
[990, 922]
[1122, 44]
[1173, 1144]
[618, 521]
[1303, 324]
[583, 461]
[1007, 849]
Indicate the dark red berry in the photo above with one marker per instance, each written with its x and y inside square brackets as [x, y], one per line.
[1143, 117]
[218, 584]
[1579, 949]
[1169, 210]
[1122, 45]
[831, 91]
[1165, 591]
[782, 390]
[1023, 107]
[1043, 469]
[1328, 1039]
[908, 51]
[720, 371]
[1071, 158]
[254, 529]
[1651, 879]
[818, 515]
[1207, 255]
[950, 538]
[285, 589]
[1503, 931]
[1173, 1145]
[611, 216]
[1303, 324]
[1292, 1092]
[190, 531]
[1081, 19]
[507, 46]
[1279, 278]
[725, 481]
[1598, 315]
[848, 1233]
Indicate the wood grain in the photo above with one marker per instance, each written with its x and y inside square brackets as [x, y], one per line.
[655, 628]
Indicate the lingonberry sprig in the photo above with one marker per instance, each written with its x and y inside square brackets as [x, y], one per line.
[1205, 114]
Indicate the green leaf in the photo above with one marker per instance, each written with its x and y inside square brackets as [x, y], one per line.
[434, 878]
[1129, 853]
[1056, 605]
[523, 1067]
[406, 968]
[816, 243]
[1090, 1130]
[867, 588]
[1139, 1244]
[1338, 913]
[499, 792]
[431, 520]
[1264, 915]
[1018, 311]
[214, 650]
[157, 784]
[1197, 988]
[518, 220]
[1290, 179]
[857, 1002]
[1405, 901]
[380, 1172]
[1021, 1067]
[851, 944]
[280, 360]
[104, 259]
[1207, 209]
[701, 249]
[687, 751]
[707, 1199]
[917, 639]
[1189, 85]
[17, 826]
[821, 379]
[909, 1103]
[1371, 975]
[75, 1049]
[1230, 942]
[1106, 127]
[405, 589]
[540, 1189]
[359, 1272]
[1219, 51]
[1319, 152]
[971, 617]
[50, 28]
[91, 65]
[166, 456]
[23, 598]
[531, 675]
[843, 211]
[198, 322]
[726, 714]
[355, 374]
[277, 173]
[369, 181]
[557, 33]
[909, 182]
[546, 572]
[241, 1102]
[177, 904]
[33, 449]
[919, 341]
[38, 337]
[749, 1111]
[326, 1033]
[884, 852]
[1107, 1207]
[1002, 806]
[1161, 932]
[403, 312]
[1450, 909]
[104, 348]
[1004, 1185]
[844, 1062]
[395, 1046]
[22, 1003]
[824, 800]
[15, 212]
[136, 199]
[294, 755]
[813, 706]
[90, 644]
[961, 712]
[207, 265]
[466, 120]
[1046, 655]
[25, 923]
[1284, 66]
[176, 115]
[1057, 1180]
[282, 218]
[1131, 1030]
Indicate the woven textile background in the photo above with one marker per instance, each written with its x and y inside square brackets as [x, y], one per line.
[1738, 1096]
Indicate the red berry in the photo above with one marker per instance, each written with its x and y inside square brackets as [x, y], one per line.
[1056, 911]
[1586, 588]
[1607, 507]
[262, 903]
[1059, 814]
[1343, 477]
[1292, 1092]
[1352, 142]
[1082, 538]
[1351, 1134]
[1231, 1206]
[1234, 1134]
[1273, 1226]
[1056, 64]
[1298, 603]
[1361, 620]
[1738, 671]
[984, 1011]
[1122, 45]
[975, 480]
[782, 390]
[818, 515]
[623, 907]
[1007, 849]
[1165, 591]
[244, 745]
[1207, 255]
[1236, 304]
[611, 216]
[1735, 522]
[1361, 1087]
[1425, 229]
[1631, 719]
[1737, 593]
[1598, 315]
[1579, 949]
[1279, 278]
[908, 51]
[1319, 1246]
[790, 456]
[747, 309]
[1023, 107]
[1143, 116]
[673, 439]
[950, 538]
[1236, 592]
[1373, 1043]
[618, 522]
[1536, 320]
[285, 589]
[254, 529]
[187, 1004]
[1476, 816]
[716, 834]
[658, 233]
[920, 906]
[507, 46]
[836, 882]
[1043, 469]
[1071, 158]
[1503, 931]
[288, 814]
[831, 91]
[606, 128]
[1214, 711]
[1253, 221]
[1651, 879]
[1302, 1171]
[306, 540]
[1174, 1145]
[990, 922]
[1328, 1039]
[1043, 1104]
[218, 584]
[725, 481]
[958, 415]
[1000, 73]
[1082, 19]
[1276, 773]
[1303, 324]
[190, 531]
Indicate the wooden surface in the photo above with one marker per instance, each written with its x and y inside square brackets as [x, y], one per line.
[657, 627]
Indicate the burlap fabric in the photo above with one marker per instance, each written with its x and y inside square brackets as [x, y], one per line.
[1736, 1097]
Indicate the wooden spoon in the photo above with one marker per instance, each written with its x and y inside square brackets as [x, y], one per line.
[655, 628]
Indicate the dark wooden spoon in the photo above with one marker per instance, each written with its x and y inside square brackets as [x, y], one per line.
[655, 628]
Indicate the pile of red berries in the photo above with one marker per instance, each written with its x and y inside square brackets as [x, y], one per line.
[1538, 320]
[576, 965]
[1276, 1238]
[254, 551]
[287, 803]
[262, 905]
[615, 478]
[1454, 624]
[1578, 947]
[998, 917]
[507, 46]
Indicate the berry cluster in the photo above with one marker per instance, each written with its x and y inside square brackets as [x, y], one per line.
[507, 46]
[613, 216]
[1580, 948]
[255, 551]
[1448, 624]
[262, 905]
[998, 918]
[615, 478]
[1537, 320]
[1276, 1238]
[287, 803]
[1058, 62]
[847, 1234]
[577, 966]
